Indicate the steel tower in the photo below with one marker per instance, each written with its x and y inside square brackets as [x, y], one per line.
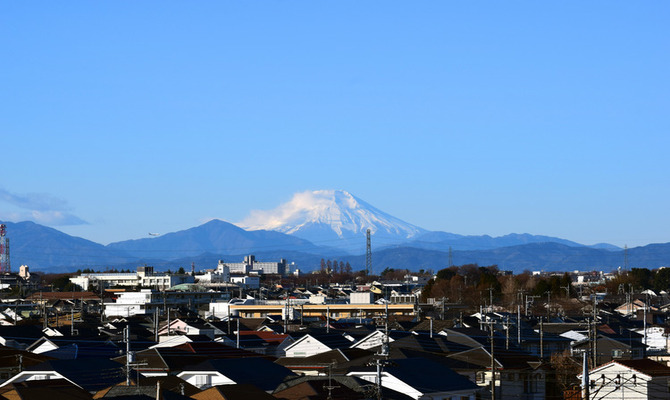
[4, 250]
[368, 255]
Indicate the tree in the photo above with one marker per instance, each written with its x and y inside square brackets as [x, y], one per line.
[662, 279]
[640, 278]
[63, 284]
[447, 273]
[181, 271]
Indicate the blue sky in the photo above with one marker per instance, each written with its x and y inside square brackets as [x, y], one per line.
[123, 118]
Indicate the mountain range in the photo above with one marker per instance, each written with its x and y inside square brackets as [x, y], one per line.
[320, 224]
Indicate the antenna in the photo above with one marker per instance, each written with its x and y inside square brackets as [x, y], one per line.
[368, 254]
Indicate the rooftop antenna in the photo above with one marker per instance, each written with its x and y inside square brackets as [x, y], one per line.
[368, 254]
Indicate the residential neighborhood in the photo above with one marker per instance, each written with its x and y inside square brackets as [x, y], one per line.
[399, 335]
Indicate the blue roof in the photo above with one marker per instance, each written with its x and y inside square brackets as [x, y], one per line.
[92, 374]
[254, 370]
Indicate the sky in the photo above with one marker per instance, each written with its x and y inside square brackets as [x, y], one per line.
[122, 118]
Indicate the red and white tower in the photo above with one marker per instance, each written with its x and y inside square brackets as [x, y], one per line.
[4, 250]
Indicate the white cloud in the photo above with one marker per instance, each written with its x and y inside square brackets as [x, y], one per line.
[41, 208]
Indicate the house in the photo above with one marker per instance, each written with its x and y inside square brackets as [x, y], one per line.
[376, 339]
[90, 374]
[73, 347]
[160, 362]
[256, 371]
[612, 347]
[518, 375]
[632, 307]
[184, 327]
[311, 344]
[214, 350]
[12, 361]
[641, 379]
[420, 378]
[325, 363]
[60, 389]
[320, 388]
[262, 342]
[171, 388]
[19, 336]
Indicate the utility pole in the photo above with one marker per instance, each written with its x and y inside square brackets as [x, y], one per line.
[237, 344]
[518, 324]
[490, 299]
[493, 365]
[548, 293]
[330, 386]
[595, 331]
[71, 321]
[286, 315]
[156, 325]
[384, 352]
[507, 332]
[644, 323]
[126, 335]
[327, 319]
[541, 340]
[585, 377]
[567, 291]
[168, 322]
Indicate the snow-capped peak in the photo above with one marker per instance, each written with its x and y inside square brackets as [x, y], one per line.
[322, 214]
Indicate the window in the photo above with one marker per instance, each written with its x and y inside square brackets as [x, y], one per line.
[617, 353]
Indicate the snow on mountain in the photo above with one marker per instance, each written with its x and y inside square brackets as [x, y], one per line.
[331, 217]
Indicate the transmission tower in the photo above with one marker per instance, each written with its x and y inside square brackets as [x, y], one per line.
[368, 254]
[4, 250]
[625, 257]
[451, 257]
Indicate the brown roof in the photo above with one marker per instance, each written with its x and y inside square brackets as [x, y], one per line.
[44, 389]
[9, 357]
[147, 386]
[63, 296]
[216, 350]
[269, 337]
[646, 366]
[233, 392]
[317, 390]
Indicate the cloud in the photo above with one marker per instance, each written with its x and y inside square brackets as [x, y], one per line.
[41, 208]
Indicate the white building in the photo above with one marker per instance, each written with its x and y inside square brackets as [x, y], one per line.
[251, 266]
[641, 379]
[219, 275]
[246, 282]
[149, 301]
[145, 277]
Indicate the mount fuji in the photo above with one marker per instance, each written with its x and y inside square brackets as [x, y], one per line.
[332, 218]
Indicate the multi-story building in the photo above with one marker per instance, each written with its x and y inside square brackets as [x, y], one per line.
[251, 266]
[144, 277]
[221, 274]
[149, 301]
